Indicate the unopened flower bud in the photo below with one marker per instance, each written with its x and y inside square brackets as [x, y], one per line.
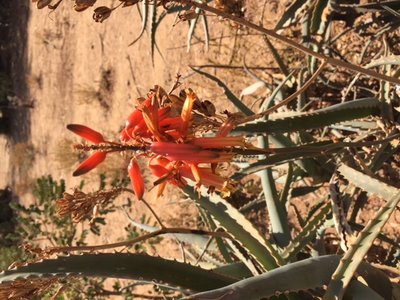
[129, 2]
[81, 5]
[101, 13]
[43, 3]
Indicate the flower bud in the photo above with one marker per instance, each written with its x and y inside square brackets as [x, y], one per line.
[129, 2]
[81, 5]
[43, 3]
[101, 13]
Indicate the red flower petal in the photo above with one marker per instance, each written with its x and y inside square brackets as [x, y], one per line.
[90, 163]
[168, 149]
[207, 177]
[219, 141]
[189, 153]
[196, 173]
[124, 136]
[136, 178]
[87, 133]
[171, 123]
[134, 118]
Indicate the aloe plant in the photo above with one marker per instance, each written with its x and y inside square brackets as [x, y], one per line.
[296, 140]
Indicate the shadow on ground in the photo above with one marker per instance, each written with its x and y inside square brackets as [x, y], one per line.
[14, 94]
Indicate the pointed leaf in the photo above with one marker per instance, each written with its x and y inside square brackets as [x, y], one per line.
[334, 114]
[320, 16]
[367, 183]
[121, 265]
[306, 274]
[358, 249]
[238, 226]
[237, 270]
[145, 7]
[277, 57]
[291, 14]
[251, 89]
[307, 234]
[192, 27]
[277, 211]
[287, 154]
[206, 32]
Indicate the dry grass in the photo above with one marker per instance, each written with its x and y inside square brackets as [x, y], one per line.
[65, 156]
[22, 159]
[97, 92]
[23, 156]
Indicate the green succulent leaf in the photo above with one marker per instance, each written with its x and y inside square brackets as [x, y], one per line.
[291, 14]
[237, 270]
[288, 154]
[192, 27]
[306, 274]
[327, 116]
[368, 183]
[238, 226]
[278, 59]
[320, 16]
[145, 17]
[308, 233]
[121, 265]
[355, 254]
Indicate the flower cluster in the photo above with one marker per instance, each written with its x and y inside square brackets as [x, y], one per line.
[169, 131]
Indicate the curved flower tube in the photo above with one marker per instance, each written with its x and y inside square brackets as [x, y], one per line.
[87, 133]
[136, 178]
[90, 163]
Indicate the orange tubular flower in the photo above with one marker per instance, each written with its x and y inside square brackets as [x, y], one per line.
[196, 173]
[153, 118]
[136, 178]
[93, 136]
[227, 127]
[124, 136]
[168, 171]
[174, 123]
[87, 133]
[134, 118]
[189, 153]
[90, 163]
[207, 177]
[186, 113]
[164, 170]
[157, 167]
[219, 142]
